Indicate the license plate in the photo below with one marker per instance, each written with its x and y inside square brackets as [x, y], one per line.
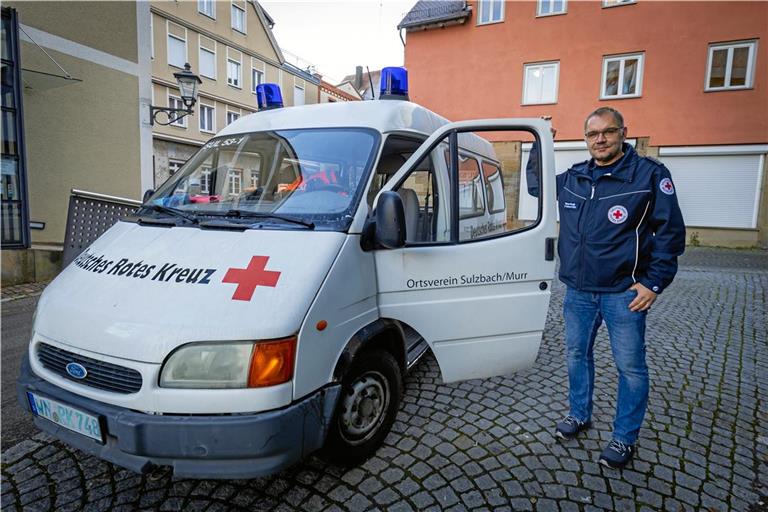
[66, 416]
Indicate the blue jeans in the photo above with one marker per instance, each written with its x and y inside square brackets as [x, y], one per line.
[584, 313]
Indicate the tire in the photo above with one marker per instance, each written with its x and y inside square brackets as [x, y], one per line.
[368, 404]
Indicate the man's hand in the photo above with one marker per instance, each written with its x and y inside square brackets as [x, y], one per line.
[644, 299]
[552, 129]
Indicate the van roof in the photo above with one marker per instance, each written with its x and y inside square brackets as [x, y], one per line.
[381, 115]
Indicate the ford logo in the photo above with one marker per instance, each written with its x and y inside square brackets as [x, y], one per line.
[77, 370]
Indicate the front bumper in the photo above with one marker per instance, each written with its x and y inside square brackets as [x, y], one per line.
[199, 446]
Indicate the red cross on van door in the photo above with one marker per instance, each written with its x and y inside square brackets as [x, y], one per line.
[247, 279]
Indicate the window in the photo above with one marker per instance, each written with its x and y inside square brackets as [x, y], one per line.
[207, 63]
[549, 7]
[491, 11]
[233, 73]
[235, 181]
[471, 201]
[622, 76]
[177, 45]
[174, 166]
[238, 18]
[207, 118]
[731, 66]
[257, 77]
[175, 102]
[13, 167]
[205, 180]
[494, 187]
[540, 83]
[298, 95]
[616, 3]
[232, 117]
[207, 7]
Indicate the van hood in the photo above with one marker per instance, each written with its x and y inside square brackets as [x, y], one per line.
[139, 292]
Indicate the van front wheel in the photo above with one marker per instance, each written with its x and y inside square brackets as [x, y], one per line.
[370, 398]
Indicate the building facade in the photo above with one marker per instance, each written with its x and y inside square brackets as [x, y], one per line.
[329, 93]
[690, 79]
[230, 46]
[76, 77]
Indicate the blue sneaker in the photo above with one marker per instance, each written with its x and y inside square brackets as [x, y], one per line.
[617, 454]
[570, 427]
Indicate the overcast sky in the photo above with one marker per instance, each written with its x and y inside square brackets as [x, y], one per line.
[336, 36]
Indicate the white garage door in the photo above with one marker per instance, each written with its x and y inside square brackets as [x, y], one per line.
[716, 189]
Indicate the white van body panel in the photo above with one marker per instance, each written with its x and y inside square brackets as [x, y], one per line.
[145, 318]
[347, 302]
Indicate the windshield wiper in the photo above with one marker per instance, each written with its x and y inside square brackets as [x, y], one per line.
[172, 211]
[244, 214]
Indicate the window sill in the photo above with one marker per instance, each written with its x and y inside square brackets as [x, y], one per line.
[549, 15]
[726, 89]
[624, 97]
[532, 104]
[619, 5]
[239, 31]
[206, 131]
[235, 86]
[489, 23]
[213, 78]
[207, 15]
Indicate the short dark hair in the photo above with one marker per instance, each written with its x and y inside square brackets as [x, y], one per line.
[603, 111]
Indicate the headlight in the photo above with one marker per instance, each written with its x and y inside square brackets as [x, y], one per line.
[230, 365]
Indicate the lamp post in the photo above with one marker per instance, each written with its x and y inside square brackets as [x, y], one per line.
[188, 86]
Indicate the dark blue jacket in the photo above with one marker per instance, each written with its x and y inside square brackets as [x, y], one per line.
[622, 228]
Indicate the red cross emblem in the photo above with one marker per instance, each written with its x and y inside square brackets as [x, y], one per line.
[617, 214]
[667, 187]
[247, 279]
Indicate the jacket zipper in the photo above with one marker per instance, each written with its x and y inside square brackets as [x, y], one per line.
[583, 234]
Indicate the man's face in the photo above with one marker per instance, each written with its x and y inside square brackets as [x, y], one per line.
[604, 139]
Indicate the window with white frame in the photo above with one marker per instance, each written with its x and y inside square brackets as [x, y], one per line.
[177, 50]
[235, 181]
[205, 180]
[232, 116]
[234, 77]
[255, 175]
[490, 11]
[257, 77]
[208, 63]
[298, 95]
[238, 18]
[174, 166]
[207, 118]
[207, 7]
[549, 7]
[175, 102]
[540, 83]
[151, 36]
[731, 66]
[622, 76]
[615, 3]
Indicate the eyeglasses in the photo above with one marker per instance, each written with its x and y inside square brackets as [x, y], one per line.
[608, 132]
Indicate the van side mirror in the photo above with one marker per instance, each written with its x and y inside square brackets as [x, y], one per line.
[390, 220]
[147, 194]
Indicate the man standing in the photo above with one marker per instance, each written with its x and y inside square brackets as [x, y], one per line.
[621, 232]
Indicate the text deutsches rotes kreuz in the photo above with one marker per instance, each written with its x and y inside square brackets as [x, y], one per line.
[161, 272]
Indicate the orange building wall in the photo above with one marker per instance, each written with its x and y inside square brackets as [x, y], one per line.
[471, 71]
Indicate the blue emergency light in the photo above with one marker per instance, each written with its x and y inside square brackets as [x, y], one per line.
[268, 96]
[394, 84]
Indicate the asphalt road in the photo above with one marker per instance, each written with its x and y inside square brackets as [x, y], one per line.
[16, 425]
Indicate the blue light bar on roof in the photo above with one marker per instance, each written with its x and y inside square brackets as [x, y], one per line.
[394, 84]
[268, 96]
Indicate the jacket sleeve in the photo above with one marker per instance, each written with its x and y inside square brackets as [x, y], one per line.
[667, 233]
[533, 172]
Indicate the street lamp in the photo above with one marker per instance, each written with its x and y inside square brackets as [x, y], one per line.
[188, 83]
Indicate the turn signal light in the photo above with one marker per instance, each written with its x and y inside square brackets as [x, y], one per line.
[272, 362]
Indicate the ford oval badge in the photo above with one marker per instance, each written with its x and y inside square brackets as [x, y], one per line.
[77, 370]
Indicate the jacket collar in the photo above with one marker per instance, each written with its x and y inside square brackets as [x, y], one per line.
[624, 171]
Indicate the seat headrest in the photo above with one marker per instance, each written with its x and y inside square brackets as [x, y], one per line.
[390, 164]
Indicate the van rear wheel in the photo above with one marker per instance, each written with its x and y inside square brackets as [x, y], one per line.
[370, 398]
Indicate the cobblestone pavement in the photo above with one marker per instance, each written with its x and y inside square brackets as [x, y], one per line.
[488, 445]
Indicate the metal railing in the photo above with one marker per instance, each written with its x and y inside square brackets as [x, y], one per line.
[89, 216]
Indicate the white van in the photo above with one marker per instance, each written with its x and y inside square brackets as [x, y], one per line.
[267, 300]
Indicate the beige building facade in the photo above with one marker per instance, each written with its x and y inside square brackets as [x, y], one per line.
[84, 81]
[230, 46]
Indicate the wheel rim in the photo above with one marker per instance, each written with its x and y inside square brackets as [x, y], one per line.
[364, 407]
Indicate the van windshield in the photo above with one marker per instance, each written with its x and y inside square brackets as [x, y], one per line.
[315, 176]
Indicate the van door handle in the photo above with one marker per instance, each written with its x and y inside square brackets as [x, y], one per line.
[549, 249]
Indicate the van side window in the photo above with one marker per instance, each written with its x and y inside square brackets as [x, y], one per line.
[494, 187]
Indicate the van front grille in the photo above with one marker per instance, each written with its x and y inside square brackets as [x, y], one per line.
[101, 375]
